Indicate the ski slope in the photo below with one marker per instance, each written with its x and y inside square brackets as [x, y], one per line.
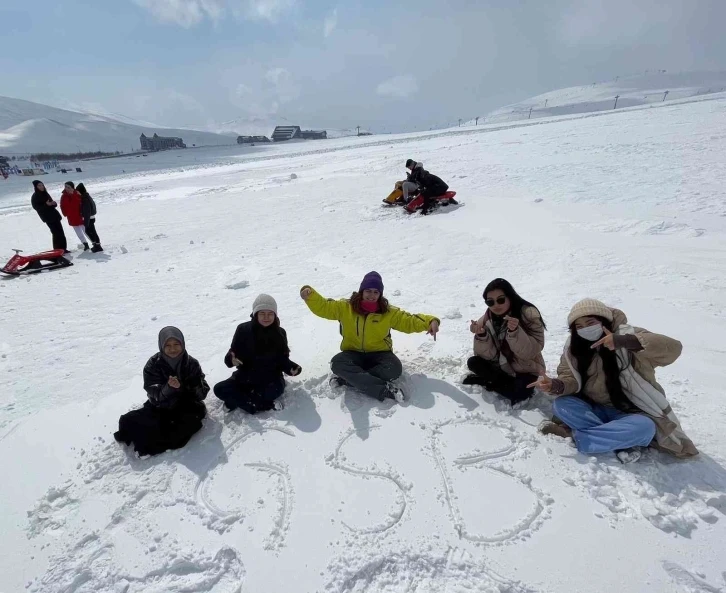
[649, 88]
[452, 491]
[27, 127]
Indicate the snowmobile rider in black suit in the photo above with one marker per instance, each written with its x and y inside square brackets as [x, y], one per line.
[431, 185]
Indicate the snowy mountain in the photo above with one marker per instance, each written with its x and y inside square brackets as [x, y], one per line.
[27, 127]
[642, 89]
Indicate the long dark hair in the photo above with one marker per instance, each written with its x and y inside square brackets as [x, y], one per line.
[357, 297]
[517, 302]
[583, 354]
[81, 189]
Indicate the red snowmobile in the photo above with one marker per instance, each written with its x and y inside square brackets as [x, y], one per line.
[32, 264]
[395, 198]
[442, 200]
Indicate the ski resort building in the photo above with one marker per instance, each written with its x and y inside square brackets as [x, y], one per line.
[157, 142]
[282, 133]
[252, 139]
[314, 134]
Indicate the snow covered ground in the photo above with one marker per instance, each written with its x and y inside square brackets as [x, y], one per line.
[452, 491]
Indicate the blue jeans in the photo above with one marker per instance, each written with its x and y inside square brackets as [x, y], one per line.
[600, 429]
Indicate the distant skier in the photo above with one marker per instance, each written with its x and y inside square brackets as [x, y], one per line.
[71, 204]
[176, 387]
[88, 211]
[606, 391]
[260, 353]
[430, 185]
[508, 343]
[47, 210]
[367, 361]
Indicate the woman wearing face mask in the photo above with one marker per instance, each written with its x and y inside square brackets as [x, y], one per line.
[367, 361]
[175, 385]
[508, 343]
[606, 391]
[260, 353]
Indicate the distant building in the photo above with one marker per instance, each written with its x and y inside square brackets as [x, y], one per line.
[252, 139]
[157, 142]
[282, 133]
[314, 135]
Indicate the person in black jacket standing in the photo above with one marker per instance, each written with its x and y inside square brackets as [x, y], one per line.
[431, 186]
[47, 210]
[261, 355]
[175, 385]
[88, 210]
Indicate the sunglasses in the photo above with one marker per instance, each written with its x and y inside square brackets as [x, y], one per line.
[500, 301]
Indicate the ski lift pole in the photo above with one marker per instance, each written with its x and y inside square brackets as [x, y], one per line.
[530, 113]
[616, 101]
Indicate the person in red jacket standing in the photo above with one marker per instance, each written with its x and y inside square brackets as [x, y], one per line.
[71, 202]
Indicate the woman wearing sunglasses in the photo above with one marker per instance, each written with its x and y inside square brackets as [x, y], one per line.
[508, 342]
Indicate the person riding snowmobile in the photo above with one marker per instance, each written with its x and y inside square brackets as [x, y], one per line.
[430, 185]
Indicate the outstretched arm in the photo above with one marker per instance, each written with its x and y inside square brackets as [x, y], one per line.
[409, 323]
[322, 307]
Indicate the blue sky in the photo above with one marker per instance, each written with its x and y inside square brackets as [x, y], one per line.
[388, 66]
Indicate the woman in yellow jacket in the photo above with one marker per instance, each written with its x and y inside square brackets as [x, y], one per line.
[367, 362]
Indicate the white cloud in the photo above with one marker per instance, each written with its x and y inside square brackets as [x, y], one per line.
[331, 22]
[399, 87]
[188, 13]
[263, 10]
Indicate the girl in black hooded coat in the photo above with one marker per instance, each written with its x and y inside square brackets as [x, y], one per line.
[175, 385]
[47, 210]
[261, 355]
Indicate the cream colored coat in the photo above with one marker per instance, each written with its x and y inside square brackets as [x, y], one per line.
[638, 381]
[525, 344]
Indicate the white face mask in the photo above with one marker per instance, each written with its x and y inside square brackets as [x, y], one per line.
[591, 333]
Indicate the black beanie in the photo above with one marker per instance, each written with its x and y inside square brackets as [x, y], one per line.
[410, 163]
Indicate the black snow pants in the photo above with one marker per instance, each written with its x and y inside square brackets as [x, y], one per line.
[493, 378]
[252, 394]
[152, 430]
[429, 193]
[90, 225]
[59, 236]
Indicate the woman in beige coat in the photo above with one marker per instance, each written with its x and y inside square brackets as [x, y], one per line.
[508, 342]
[606, 391]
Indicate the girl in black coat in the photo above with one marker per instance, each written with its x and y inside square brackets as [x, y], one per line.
[175, 385]
[260, 352]
[88, 210]
[47, 210]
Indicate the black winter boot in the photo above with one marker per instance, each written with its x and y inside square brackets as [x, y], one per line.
[85, 247]
[96, 248]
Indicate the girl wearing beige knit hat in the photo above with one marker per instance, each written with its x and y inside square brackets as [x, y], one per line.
[606, 391]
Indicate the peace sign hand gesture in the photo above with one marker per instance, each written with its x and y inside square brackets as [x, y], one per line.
[608, 340]
[543, 383]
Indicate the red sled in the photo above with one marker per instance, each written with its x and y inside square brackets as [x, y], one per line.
[442, 200]
[32, 264]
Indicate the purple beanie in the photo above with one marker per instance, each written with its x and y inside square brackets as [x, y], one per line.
[372, 280]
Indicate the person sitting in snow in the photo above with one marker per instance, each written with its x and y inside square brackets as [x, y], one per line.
[508, 343]
[366, 319]
[429, 185]
[71, 207]
[175, 385]
[606, 391]
[88, 211]
[261, 355]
